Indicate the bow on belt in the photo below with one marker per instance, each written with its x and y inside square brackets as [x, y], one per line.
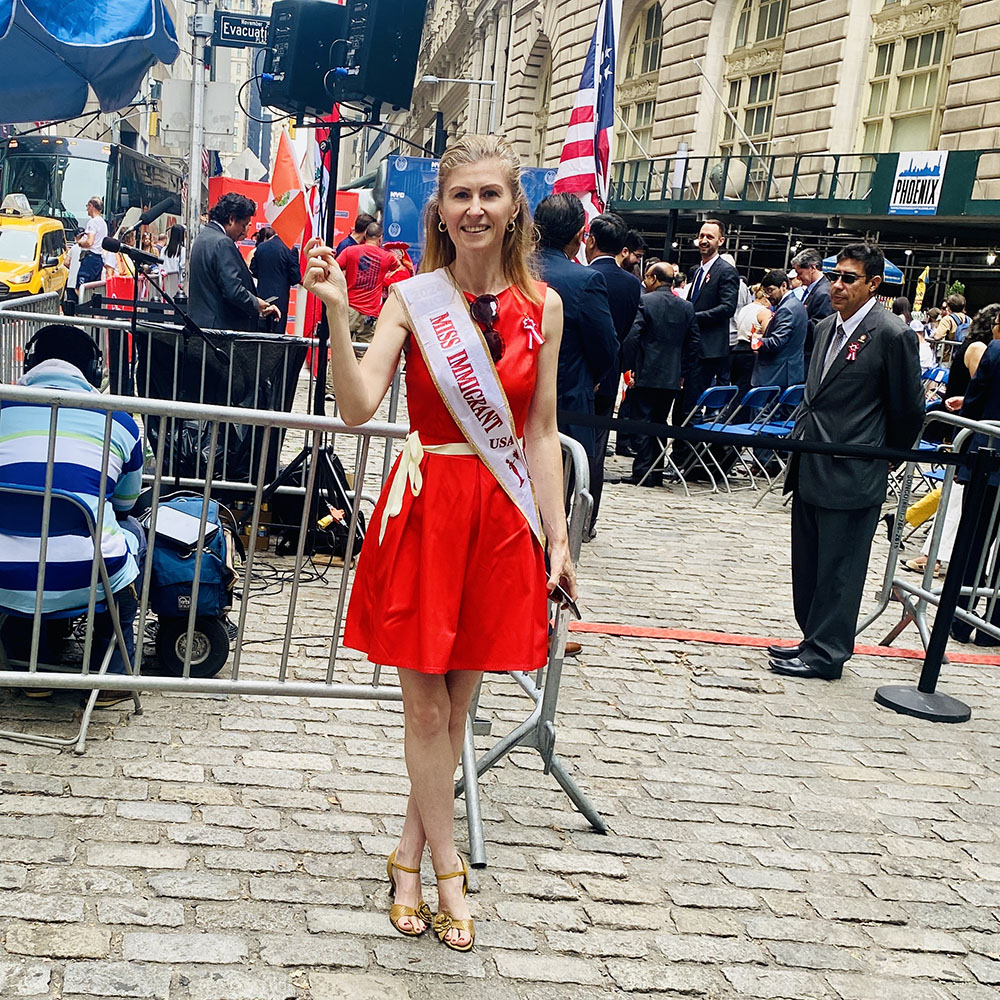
[409, 469]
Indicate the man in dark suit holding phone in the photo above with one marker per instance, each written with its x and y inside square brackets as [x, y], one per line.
[714, 288]
[221, 292]
[863, 388]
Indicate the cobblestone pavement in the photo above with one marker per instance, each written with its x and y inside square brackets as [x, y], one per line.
[768, 838]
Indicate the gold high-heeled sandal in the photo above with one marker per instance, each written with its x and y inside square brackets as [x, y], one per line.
[444, 921]
[399, 911]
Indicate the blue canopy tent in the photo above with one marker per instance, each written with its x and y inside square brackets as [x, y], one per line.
[51, 50]
[893, 275]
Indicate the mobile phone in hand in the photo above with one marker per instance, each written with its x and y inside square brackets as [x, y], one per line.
[559, 596]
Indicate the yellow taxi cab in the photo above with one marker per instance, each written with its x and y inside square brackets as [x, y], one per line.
[32, 250]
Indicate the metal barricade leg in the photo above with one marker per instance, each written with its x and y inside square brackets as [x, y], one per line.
[572, 789]
[473, 813]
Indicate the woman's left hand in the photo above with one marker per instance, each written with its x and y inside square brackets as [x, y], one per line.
[561, 570]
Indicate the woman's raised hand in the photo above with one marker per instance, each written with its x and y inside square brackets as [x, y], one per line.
[323, 276]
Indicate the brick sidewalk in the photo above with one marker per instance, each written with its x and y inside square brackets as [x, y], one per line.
[769, 838]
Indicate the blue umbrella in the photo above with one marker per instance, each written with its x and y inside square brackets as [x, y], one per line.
[50, 50]
[893, 275]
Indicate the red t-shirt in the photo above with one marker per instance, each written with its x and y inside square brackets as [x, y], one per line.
[365, 266]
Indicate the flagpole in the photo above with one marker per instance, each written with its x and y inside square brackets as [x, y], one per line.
[323, 329]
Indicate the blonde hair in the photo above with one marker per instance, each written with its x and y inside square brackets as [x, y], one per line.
[517, 252]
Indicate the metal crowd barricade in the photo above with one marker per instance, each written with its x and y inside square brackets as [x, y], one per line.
[917, 597]
[340, 676]
[228, 370]
[19, 319]
[537, 732]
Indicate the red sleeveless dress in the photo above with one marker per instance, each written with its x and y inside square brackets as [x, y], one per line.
[458, 582]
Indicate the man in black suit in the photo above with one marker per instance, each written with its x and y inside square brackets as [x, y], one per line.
[808, 265]
[221, 293]
[779, 356]
[863, 388]
[606, 250]
[661, 350]
[276, 269]
[714, 292]
[589, 346]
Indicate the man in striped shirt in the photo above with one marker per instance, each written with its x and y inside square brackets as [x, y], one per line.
[65, 358]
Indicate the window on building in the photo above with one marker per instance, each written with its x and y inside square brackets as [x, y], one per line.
[760, 21]
[645, 46]
[771, 19]
[639, 134]
[905, 92]
[760, 29]
[637, 93]
[751, 103]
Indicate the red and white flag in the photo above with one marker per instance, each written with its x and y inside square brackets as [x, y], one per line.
[285, 210]
[586, 155]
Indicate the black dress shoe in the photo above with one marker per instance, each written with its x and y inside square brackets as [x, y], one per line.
[796, 668]
[784, 652]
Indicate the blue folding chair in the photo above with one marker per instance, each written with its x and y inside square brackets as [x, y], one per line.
[712, 412]
[712, 405]
[781, 419]
[759, 404]
[28, 512]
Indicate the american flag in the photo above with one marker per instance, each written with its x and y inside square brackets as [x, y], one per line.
[586, 153]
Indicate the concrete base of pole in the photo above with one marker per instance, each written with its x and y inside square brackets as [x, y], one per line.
[912, 701]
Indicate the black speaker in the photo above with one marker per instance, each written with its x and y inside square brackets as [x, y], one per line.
[305, 40]
[383, 38]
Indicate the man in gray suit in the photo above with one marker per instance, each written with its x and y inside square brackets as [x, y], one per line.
[808, 265]
[221, 292]
[863, 388]
[779, 358]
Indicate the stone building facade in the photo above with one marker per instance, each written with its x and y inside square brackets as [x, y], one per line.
[814, 76]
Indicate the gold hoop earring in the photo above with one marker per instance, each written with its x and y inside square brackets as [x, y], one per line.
[442, 228]
[511, 226]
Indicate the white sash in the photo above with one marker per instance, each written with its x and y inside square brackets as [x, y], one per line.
[460, 365]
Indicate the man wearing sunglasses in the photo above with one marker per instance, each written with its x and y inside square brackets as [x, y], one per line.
[863, 388]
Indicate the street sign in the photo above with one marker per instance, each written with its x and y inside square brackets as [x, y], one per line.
[246, 167]
[240, 31]
[175, 115]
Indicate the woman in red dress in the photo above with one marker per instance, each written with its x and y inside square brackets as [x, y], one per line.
[451, 580]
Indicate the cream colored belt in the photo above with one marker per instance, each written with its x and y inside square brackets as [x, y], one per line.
[409, 469]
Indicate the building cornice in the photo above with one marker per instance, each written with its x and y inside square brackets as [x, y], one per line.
[764, 57]
[911, 16]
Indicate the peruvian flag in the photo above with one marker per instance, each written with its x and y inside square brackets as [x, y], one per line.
[285, 211]
[586, 154]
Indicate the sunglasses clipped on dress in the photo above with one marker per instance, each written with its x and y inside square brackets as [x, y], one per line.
[485, 311]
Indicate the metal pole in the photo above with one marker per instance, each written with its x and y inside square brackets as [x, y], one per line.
[922, 701]
[201, 31]
[493, 106]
